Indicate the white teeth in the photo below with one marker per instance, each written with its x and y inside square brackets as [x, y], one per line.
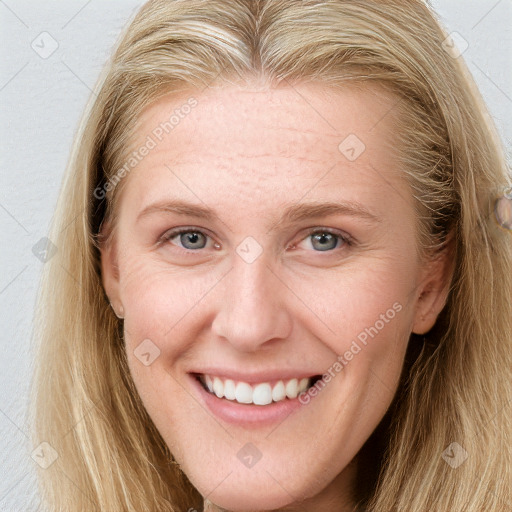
[209, 383]
[243, 393]
[279, 392]
[218, 387]
[259, 394]
[229, 389]
[292, 388]
[262, 394]
[303, 384]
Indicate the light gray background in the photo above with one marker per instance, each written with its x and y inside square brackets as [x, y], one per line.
[41, 102]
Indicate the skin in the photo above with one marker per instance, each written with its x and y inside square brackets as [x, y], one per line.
[249, 153]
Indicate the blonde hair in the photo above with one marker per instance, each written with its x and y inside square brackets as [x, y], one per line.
[455, 390]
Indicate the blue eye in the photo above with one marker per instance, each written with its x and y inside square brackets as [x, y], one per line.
[320, 240]
[193, 240]
[324, 241]
[188, 239]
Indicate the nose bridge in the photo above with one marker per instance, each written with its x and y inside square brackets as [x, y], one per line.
[252, 310]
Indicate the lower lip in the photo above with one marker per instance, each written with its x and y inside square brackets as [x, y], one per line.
[246, 415]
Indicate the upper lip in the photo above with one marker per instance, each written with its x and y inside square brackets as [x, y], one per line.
[256, 377]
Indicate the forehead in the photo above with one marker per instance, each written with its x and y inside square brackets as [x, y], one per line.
[241, 115]
[248, 141]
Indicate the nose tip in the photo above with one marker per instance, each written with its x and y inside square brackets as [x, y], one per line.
[252, 309]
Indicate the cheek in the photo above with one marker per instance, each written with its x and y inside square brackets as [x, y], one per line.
[161, 320]
[366, 319]
[160, 301]
[360, 302]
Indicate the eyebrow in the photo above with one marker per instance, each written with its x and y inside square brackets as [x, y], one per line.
[292, 213]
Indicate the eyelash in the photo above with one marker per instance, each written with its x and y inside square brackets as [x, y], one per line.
[346, 240]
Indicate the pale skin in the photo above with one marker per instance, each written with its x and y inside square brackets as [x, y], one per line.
[249, 154]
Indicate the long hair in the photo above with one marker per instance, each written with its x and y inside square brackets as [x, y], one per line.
[457, 389]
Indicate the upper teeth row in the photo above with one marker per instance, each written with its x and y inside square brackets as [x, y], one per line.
[260, 394]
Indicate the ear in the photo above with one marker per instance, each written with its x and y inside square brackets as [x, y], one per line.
[109, 267]
[434, 287]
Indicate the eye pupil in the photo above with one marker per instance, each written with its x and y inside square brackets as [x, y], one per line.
[193, 240]
[324, 241]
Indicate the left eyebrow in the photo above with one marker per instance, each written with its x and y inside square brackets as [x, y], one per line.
[292, 213]
[302, 211]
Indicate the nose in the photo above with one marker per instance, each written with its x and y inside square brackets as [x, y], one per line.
[252, 307]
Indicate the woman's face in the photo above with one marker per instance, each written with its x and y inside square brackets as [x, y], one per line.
[265, 239]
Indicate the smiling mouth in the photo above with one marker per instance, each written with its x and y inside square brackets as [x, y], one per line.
[263, 393]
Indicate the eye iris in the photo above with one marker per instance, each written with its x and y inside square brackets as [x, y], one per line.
[324, 241]
[193, 240]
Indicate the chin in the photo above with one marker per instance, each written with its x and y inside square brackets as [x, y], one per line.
[254, 490]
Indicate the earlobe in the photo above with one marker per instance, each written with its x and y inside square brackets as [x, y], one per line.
[430, 303]
[120, 313]
[434, 289]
